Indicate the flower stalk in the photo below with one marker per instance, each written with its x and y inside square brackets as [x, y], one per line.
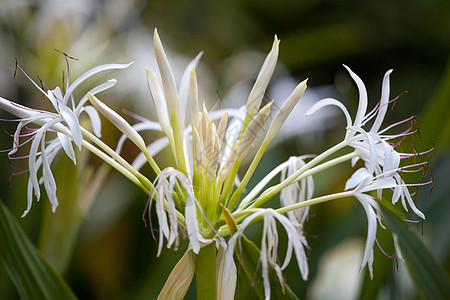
[205, 273]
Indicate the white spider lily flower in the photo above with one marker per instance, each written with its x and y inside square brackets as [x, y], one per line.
[373, 146]
[269, 246]
[381, 160]
[64, 121]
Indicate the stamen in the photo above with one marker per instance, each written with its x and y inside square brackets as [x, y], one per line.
[66, 55]
[15, 69]
[148, 206]
[416, 124]
[379, 246]
[396, 124]
[43, 85]
[134, 115]
[432, 183]
[406, 156]
[396, 98]
[415, 222]
[402, 134]
[23, 72]
[20, 172]
[415, 195]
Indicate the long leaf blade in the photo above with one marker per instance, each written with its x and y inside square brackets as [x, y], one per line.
[30, 273]
[428, 274]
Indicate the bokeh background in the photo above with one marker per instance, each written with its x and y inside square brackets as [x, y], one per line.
[97, 238]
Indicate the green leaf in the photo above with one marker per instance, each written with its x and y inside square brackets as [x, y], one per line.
[30, 273]
[434, 122]
[428, 274]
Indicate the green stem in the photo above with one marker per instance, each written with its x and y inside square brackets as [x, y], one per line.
[205, 273]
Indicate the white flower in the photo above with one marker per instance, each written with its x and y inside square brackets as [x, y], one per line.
[64, 121]
[269, 246]
[381, 160]
[373, 146]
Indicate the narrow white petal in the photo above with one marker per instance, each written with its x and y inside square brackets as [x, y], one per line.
[73, 124]
[397, 246]
[383, 103]
[330, 101]
[162, 218]
[55, 97]
[380, 184]
[67, 146]
[412, 205]
[362, 107]
[33, 166]
[49, 180]
[95, 119]
[16, 109]
[371, 161]
[29, 197]
[357, 178]
[160, 102]
[100, 88]
[371, 228]
[88, 74]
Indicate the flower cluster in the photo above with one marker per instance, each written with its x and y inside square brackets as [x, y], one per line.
[200, 196]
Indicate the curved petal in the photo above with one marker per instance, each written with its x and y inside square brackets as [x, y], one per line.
[95, 119]
[371, 228]
[384, 100]
[73, 124]
[88, 74]
[358, 177]
[362, 106]
[160, 102]
[100, 88]
[330, 101]
[67, 146]
[49, 180]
